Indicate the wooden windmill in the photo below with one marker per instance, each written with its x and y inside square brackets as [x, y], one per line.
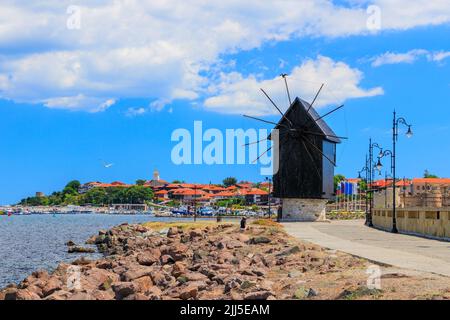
[307, 157]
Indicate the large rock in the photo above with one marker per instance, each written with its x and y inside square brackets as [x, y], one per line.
[188, 292]
[123, 289]
[78, 249]
[135, 273]
[27, 294]
[143, 284]
[172, 232]
[259, 240]
[59, 295]
[178, 269]
[149, 257]
[96, 278]
[52, 285]
[258, 295]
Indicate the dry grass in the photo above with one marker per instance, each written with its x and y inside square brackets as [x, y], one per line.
[266, 223]
[157, 226]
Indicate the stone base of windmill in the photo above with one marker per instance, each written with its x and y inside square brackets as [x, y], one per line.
[303, 210]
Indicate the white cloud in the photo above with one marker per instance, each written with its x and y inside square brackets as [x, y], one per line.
[235, 94]
[394, 58]
[133, 112]
[439, 56]
[408, 57]
[79, 102]
[158, 50]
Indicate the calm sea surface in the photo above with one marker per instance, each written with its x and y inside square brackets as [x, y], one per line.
[28, 243]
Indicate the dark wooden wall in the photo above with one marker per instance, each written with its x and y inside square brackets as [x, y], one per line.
[301, 167]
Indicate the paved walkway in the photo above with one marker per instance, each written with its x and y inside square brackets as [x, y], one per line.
[397, 250]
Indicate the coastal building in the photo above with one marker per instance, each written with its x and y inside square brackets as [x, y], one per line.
[162, 195]
[255, 196]
[40, 194]
[418, 192]
[156, 181]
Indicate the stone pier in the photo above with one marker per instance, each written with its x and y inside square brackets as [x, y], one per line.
[304, 210]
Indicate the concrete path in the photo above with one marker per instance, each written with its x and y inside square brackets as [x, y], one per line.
[397, 250]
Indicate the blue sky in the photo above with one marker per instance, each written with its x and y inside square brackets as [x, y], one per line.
[67, 101]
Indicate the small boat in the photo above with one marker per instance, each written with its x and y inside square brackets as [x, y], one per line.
[180, 211]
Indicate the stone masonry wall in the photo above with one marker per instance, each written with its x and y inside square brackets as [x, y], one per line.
[304, 209]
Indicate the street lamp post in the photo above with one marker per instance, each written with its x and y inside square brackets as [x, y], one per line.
[395, 124]
[366, 169]
[371, 173]
[386, 176]
[268, 197]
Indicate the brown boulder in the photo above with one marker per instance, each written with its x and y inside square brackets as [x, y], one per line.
[123, 289]
[52, 285]
[77, 249]
[97, 278]
[81, 296]
[144, 284]
[134, 273]
[149, 257]
[59, 295]
[172, 232]
[165, 259]
[178, 269]
[27, 294]
[258, 295]
[188, 292]
[195, 233]
[10, 294]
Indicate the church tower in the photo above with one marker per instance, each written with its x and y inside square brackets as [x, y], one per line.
[156, 175]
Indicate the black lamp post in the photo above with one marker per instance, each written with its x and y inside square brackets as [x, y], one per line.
[366, 169]
[395, 124]
[268, 197]
[386, 176]
[370, 166]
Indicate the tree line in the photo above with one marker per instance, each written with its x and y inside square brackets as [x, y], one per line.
[70, 195]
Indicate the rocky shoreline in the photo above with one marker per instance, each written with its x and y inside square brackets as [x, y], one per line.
[212, 261]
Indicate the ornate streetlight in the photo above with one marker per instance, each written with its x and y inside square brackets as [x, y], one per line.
[395, 124]
[268, 197]
[370, 166]
[366, 170]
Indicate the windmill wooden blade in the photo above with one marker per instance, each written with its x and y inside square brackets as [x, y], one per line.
[312, 159]
[282, 114]
[326, 114]
[324, 135]
[317, 94]
[320, 151]
[266, 121]
[283, 75]
[250, 143]
[261, 155]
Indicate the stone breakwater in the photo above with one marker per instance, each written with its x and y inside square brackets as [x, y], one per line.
[218, 261]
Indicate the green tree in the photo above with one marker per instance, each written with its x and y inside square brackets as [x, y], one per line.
[362, 184]
[427, 174]
[140, 182]
[72, 187]
[230, 181]
[96, 196]
[338, 179]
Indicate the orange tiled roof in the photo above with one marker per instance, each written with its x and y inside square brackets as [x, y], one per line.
[431, 180]
[188, 192]
[254, 191]
[224, 194]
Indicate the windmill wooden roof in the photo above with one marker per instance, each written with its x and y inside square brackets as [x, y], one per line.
[323, 126]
